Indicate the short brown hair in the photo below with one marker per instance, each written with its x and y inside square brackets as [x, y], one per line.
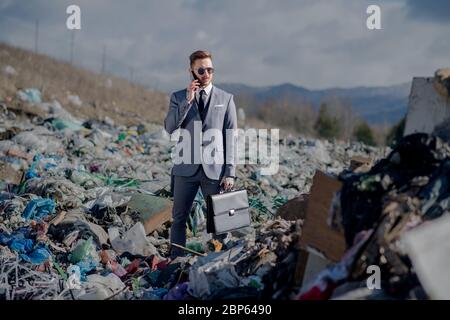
[199, 54]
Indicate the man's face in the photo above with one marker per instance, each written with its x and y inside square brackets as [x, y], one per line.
[205, 78]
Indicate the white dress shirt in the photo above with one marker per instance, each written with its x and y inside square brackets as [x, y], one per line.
[207, 91]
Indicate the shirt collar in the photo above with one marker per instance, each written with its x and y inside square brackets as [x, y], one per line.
[207, 89]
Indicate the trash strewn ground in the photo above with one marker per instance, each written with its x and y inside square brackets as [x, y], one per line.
[85, 212]
[394, 218]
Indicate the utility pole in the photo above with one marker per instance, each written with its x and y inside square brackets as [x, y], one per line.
[72, 41]
[131, 74]
[104, 59]
[36, 36]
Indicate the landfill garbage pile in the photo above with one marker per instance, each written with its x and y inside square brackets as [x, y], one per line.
[85, 212]
[382, 213]
[299, 159]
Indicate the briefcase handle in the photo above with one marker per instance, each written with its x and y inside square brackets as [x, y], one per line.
[221, 190]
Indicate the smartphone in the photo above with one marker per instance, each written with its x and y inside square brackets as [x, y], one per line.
[194, 77]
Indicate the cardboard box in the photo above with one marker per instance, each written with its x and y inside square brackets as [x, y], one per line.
[320, 244]
[154, 211]
[294, 209]
[316, 233]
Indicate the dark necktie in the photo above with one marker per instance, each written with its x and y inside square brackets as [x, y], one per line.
[201, 102]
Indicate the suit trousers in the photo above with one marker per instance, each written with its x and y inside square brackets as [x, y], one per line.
[184, 192]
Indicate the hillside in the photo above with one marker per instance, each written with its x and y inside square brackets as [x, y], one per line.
[374, 104]
[100, 95]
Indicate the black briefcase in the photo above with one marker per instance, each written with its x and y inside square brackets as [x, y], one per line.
[227, 211]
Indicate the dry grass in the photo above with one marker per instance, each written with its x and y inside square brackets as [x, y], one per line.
[123, 102]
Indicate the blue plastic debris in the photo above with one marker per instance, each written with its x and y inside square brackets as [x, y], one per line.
[37, 256]
[21, 245]
[41, 163]
[31, 95]
[85, 267]
[19, 234]
[25, 247]
[155, 294]
[36, 209]
[31, 172]
[5, 238]
[61, 124]
[179, 292]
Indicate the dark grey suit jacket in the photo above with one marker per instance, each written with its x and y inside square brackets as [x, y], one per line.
[220, 115]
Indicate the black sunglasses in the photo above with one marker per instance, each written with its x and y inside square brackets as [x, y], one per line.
[201, 71]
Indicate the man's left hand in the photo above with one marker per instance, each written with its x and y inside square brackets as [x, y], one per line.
[227, 183]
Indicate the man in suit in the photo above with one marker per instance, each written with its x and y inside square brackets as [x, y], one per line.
[200, 108]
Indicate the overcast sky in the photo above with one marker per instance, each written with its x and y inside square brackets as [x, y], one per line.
[312, 43]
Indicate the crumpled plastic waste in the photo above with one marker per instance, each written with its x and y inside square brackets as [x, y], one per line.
[401, 192]
[416, 155]
[61, 124]
[253, 281]
[31, 95]
[196, 246]
[154, 294]
[90, 169]
[39, 140]
[67, 194]
[134, 241]
[81, 250]
[39, 165]
[38, 209]
[85, 256]
[74, 279]
[217, 274]
[25, 247]
[21, 245]
[179, 292]
[97, 287]
[37, 255]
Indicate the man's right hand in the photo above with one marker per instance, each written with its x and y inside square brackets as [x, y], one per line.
[193, 87]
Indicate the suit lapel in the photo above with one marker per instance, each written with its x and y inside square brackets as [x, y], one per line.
[197, 112]
[195, 109]
[210, 105]
[212, 102]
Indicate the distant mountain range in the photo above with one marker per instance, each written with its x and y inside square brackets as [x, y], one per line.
[374, 104]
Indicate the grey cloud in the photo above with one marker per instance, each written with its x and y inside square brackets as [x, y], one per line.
[433, 11]
[314, 43]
